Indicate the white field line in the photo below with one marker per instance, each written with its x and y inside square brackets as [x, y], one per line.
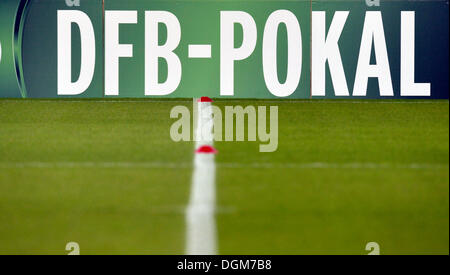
[186, 165]
[201, 231]
[327, 165]
[88, 164]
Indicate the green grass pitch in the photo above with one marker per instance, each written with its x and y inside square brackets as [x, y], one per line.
[108, 176]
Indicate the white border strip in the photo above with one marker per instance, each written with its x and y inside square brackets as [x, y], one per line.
[201, 225]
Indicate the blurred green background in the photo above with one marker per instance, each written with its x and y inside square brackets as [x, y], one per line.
[108, 176]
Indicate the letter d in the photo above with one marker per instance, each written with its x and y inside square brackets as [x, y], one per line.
[65, 20]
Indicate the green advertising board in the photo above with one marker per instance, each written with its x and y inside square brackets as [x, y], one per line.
[223, 48]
